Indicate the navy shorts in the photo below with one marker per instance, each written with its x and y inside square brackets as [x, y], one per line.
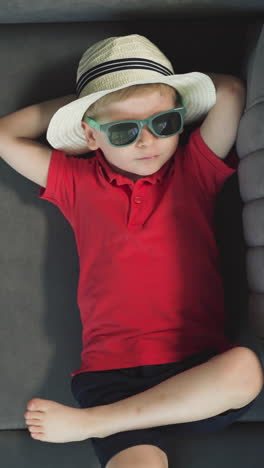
[104, 387]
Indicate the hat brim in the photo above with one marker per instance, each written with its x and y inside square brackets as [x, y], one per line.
[65, 132]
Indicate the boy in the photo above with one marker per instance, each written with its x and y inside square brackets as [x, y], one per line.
[155, 359]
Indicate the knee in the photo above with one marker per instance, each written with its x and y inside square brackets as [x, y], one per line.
[141, 456]
[250, 370]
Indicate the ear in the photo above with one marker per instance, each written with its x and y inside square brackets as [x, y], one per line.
[90, 136]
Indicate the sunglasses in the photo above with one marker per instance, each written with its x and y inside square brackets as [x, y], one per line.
[127, 132]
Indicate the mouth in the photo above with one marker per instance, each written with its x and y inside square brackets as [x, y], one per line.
[149, 157]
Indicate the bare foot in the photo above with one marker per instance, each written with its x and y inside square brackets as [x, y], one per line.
[49, 421]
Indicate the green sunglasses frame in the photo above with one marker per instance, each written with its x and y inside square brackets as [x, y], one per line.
[140, 124]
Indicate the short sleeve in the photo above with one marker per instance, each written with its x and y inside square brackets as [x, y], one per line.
[209, 171]
[60, 188]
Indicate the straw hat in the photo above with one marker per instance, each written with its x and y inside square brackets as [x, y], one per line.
[116, 63]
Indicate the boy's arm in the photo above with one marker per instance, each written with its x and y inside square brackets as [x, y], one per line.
[219, 128]
[18, 132]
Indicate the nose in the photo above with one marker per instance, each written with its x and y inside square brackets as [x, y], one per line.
[146, 137]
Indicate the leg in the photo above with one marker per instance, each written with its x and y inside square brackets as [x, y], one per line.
[230, 380]
[140, 456]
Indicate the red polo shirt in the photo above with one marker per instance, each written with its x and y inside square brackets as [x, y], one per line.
[150, 289]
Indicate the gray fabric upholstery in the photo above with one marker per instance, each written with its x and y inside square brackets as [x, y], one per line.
[30, 11]
[40, 333]
[38, 255]
[250, 147]
[240, 445]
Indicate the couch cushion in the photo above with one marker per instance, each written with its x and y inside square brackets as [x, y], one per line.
[113, 10]
[40, 332]
[239, 445]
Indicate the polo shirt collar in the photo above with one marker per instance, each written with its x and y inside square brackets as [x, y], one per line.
[111, 176]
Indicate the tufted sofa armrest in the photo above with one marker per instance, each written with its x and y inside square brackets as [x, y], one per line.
[250, 149]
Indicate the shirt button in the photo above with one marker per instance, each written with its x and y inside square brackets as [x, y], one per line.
[138, 199]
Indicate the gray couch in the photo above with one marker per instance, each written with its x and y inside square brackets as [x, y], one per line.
[40, 332]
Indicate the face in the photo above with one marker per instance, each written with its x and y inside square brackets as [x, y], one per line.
[149, 153]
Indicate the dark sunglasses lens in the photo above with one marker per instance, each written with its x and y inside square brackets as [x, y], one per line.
[167, 124]
[123, 134]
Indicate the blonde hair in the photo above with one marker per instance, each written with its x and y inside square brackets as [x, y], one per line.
[98, 106]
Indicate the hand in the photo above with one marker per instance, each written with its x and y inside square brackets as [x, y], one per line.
[219, 128]
[223, 80]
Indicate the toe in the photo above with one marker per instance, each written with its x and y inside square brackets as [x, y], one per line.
[32, 422]
[34, 415]
[36, 404]
[38, 436]
[35, 429]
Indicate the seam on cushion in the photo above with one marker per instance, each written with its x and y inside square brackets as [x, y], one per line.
[256, 102]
